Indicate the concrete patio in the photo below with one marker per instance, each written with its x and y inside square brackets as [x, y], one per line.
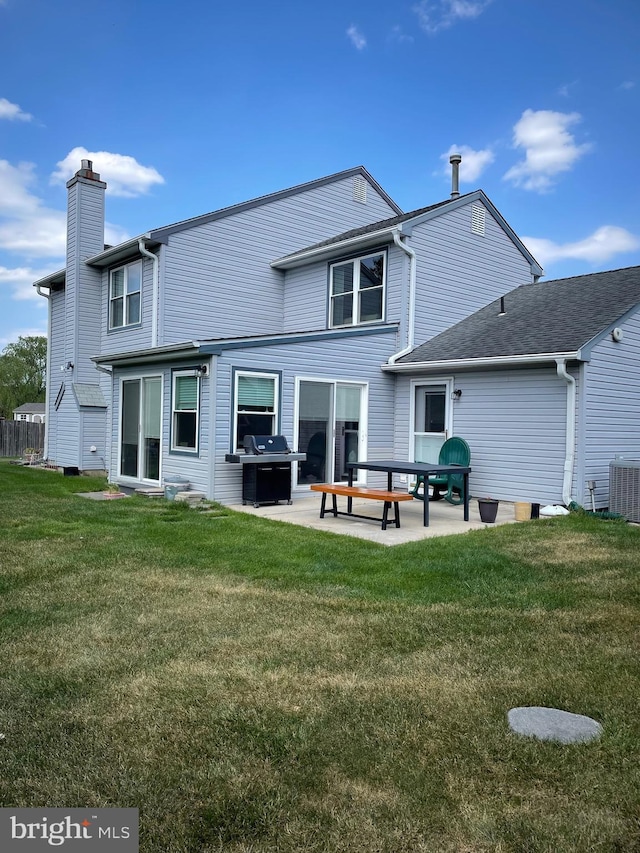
[445, 519]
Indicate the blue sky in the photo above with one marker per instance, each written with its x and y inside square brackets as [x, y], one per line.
[188, 107]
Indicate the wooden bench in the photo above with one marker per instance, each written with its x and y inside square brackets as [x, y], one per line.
[351, 492]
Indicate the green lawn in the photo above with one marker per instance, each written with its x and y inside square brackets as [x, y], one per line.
[252, 686]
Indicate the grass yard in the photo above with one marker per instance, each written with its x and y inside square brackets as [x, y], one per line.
[254, 687]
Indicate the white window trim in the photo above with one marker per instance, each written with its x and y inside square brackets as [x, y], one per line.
[355, 261]
[178, 448]
[125, 303]
[255, 374]
[363, 442]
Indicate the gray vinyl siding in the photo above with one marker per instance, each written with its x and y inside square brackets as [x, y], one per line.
[307, 292]
[217, 278]
[612, 409]
[355, 359]
[514, 422]
[459, 272]
[92, 434]
[55, 361]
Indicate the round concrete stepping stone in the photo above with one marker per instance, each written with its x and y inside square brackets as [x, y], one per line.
[553, 724]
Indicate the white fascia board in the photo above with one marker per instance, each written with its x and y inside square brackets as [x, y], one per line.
[51, 279]
[492, 361]
[362, 241]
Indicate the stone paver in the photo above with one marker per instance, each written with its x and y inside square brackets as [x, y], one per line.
[553, 724]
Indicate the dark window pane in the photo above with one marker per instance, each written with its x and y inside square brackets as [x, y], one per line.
[254, 424]
[133, 305]
[134, 276]
[117, 307]
[342, 310]
[342, 279]
[370, 305]
[372, 272]
[117, 283]
[185, 430]
[434, 412]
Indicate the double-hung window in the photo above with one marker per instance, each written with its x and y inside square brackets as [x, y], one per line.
[185, 403]
[357, 290]
[256, 396]
[124, 295]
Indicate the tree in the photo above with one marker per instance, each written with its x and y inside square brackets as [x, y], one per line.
[23, 367]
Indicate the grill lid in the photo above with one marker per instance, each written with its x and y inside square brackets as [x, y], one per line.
[257, 444]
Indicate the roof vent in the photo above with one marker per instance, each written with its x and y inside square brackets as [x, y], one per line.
[360, 189]
[477, 219]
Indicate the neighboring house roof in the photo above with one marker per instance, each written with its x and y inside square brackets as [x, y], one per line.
[382, 231]
[560, 317]
[30, 408]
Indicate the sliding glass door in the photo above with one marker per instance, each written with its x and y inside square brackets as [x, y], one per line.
[330, 429]
[140, 428]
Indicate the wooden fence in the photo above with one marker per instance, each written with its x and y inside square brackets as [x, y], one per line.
[17, 436]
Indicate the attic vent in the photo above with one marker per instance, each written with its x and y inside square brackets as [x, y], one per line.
[360, 189]
[477, 219]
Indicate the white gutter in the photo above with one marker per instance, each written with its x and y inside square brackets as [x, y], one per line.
[156, 287]
[570, 431]
[489, 361]
[48, 382]
[412, 298]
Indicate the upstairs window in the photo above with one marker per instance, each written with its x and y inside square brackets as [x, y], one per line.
[124, 295]
[185, 411]
[357, 290]
[256, 397]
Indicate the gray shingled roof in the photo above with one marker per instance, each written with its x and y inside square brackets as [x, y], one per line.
[558, 316]
[33, 408]
[89, 395]
[369, 229]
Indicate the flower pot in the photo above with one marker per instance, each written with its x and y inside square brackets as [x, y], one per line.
[488, 510]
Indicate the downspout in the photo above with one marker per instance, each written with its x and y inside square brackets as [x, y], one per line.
[570, 430]
[47, 389]
[412, 297]
[156, 284]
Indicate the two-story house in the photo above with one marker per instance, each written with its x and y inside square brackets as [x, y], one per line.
[324, 313]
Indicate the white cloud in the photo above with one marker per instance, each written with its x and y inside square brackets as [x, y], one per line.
[436, 15]
[549, 148]
[26, 225]
[29, 227]
[357, 38]
[33, 331]
[473, 162]
[20, 281]
[397, 36]
[12, 111]
[125, 177]
[628, 84]
[606, 242]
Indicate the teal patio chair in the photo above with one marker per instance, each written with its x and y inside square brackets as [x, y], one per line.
[455, 451]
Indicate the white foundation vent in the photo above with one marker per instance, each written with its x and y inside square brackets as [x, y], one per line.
[360, 189]
[477, 219]
[624, 488]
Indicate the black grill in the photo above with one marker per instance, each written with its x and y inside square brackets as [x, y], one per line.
[266, 468]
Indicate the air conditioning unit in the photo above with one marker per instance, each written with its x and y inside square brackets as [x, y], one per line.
[624, 488]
